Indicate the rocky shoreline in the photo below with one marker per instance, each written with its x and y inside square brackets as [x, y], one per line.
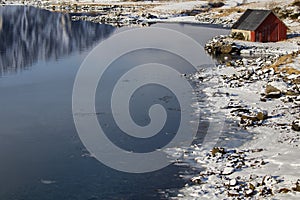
[227, 44]
[140, 14]
[260, 94]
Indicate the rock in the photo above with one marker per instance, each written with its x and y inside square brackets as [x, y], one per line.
[251, 186]
[279, 84]
[216, 150]
[228, 170]
[196, 180]
[262, 115]
[219, 45]
[263, 99]
[270, 88]
[291, 93]
[246, 51]
[216, 4]
[265, 191]
[272, 92]
[235, 155]
[246, 117]
[233, 182]
[150, 16]
[248, 193]
[226, 48]
[268, 180]
[256, 150]
[284, 190]
[233, 193]
[297, 187]
[296, 125]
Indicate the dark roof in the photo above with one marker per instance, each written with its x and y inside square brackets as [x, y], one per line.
[251, 19]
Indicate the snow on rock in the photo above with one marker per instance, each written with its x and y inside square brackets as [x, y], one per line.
[179, 6]
[268, 165]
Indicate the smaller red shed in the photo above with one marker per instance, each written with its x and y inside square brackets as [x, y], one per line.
[260, 26]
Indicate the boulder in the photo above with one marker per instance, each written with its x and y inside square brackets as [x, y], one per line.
[297, 187]
[216, 150]
[232, 182]
[262, 115]
[226, 48]
[265, 191]
[284, 190]
[216, 4]
[150, 16]
[248, 193]
[196, 180]
[296, 125]
[233, 193]
[272, 92]
[228, 171]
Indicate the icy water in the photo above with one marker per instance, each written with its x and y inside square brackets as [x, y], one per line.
[41, 155]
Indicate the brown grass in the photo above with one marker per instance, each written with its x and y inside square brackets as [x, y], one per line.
[281, 65]
[226, 12]
[289, 70]
[272, 4]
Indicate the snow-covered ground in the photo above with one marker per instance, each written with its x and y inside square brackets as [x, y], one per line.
[179, 6]
[201, 11]
[226, 13]
[267, 166]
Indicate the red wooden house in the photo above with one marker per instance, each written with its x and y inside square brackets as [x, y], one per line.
[260, 26]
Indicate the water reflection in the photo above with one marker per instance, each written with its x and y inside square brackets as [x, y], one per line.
[28, 34]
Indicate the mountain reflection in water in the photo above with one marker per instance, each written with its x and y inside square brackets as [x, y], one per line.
[28, 35]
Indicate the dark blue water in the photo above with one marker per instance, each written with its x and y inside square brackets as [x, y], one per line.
[41, 155]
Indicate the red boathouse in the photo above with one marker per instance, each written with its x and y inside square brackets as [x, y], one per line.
[260, 26]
